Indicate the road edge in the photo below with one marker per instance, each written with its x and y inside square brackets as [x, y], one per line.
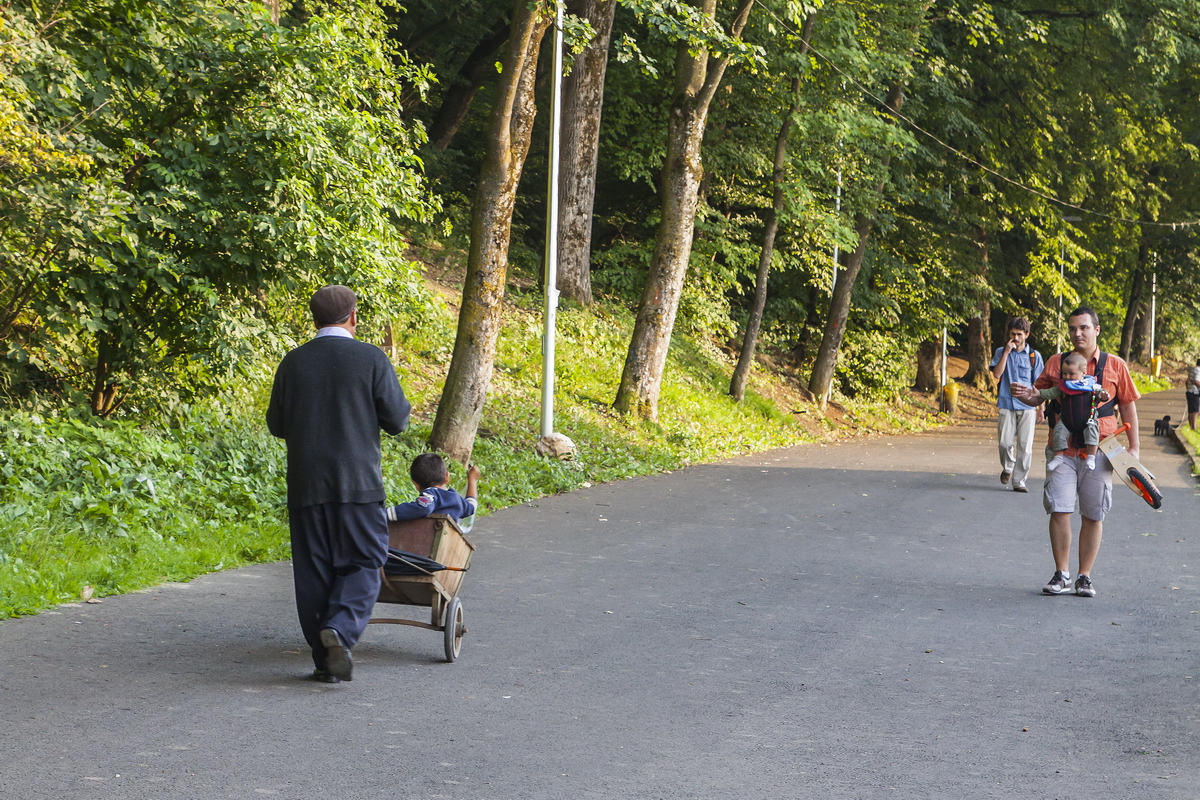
[1187, 448]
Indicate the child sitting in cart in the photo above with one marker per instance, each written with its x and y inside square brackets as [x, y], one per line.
[1077, 393]
[431, 478]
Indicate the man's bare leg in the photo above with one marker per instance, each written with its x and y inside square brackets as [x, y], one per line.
[1060, 541]
[1090, 533]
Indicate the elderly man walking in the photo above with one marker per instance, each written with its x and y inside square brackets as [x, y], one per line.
[1016, 363]
[331, 397]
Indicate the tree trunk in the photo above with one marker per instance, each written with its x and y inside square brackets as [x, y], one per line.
[104, 391]
[979, 332]
[470, 374]
[737, 384]
[979, 347]
[583, 99]
[1141, 335]
[1136, 290]
[839, 305]
[389, 341]
[929, 374]
[811, 318]
[696, 81]
[471, 75]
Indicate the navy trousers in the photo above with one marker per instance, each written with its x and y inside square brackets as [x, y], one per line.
[337, 550]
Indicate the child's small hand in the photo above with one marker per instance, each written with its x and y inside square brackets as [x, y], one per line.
[472, 473]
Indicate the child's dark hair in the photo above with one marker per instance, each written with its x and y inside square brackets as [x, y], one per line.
[428, 469]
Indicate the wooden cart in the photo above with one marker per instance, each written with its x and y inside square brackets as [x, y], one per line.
[440, 538]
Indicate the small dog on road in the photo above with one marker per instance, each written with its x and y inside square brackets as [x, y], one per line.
[1162, 426]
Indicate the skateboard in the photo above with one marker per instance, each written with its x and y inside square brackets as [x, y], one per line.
[1131, 471]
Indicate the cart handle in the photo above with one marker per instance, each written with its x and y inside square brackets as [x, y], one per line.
[1121, 429]
[403, 560]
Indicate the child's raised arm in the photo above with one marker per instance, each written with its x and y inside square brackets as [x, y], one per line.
[472, 481]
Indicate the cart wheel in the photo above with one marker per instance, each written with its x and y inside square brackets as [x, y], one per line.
[1146, 489]
[454, 628]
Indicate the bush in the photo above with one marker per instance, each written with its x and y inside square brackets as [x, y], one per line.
[873, 365]
[118, 505]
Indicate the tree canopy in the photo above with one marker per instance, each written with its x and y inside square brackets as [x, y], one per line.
[168, 171]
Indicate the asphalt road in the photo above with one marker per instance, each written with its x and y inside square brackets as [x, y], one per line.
[862, 620]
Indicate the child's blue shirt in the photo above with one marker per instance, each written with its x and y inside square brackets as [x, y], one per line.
[1085, 384]
[434, 500]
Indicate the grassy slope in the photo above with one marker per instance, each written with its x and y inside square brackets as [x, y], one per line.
[121, 505]
[1192, 437]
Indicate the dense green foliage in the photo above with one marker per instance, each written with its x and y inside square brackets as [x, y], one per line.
[173, 175]
[117, 505]
[195, 155]
[1008, 110]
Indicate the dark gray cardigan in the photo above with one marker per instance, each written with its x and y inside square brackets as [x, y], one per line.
[330, 399]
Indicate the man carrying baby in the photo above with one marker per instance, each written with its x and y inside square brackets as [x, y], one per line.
[1072, 485]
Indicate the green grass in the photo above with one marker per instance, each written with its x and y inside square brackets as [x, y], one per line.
[121, 505]
[1192, 437]
[117, 506]
[1146, 384]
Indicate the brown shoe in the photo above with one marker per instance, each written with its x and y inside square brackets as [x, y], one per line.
[1004, 476]
[1020, 489]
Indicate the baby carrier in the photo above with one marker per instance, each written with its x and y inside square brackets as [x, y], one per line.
[1077, 409]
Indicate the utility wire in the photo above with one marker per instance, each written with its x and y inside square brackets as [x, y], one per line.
[964, 156]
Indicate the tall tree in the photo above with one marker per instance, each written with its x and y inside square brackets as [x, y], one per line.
[979, 333]
[456, 103]
[737, 383]
[1134, 307]
[583, 100]
[851, 262]
[470, 373]
[697, 76]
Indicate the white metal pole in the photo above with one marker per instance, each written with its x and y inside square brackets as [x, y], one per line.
[945, 353]
[836, 249]
[1153, 304]
[547, 427]
[1062, 277]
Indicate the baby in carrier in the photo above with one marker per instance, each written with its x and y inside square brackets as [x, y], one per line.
[1077, 394]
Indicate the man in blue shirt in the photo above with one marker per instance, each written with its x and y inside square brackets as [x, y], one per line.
[1016, 362]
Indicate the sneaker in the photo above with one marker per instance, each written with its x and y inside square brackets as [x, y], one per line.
[1083, 586]
[1004, 476]
[1058, 584]
[1021, 489]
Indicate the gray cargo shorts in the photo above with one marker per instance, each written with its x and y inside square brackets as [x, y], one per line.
[1074, 481]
